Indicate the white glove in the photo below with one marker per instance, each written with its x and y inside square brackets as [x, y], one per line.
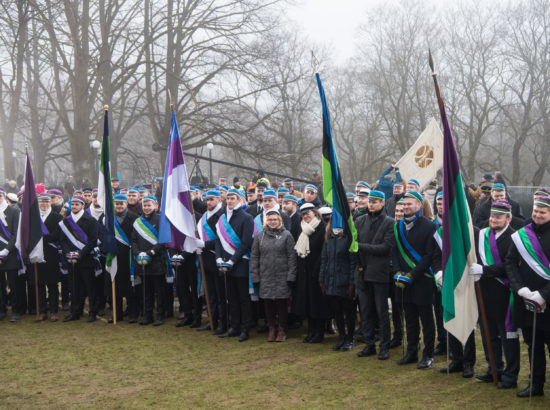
[198, 251]
[476, 269]
[4, 252]
[439, 278]
[525, 292]
[537, 297]
[219, 261]
[230, 262]
[142, 254]
[200, 244]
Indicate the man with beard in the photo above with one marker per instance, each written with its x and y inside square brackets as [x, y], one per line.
[133, 201]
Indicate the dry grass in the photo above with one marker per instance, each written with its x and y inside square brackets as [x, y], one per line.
[80, 365]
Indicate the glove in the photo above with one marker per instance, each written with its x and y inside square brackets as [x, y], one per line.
[537, 298]
[402, 280]
[351, 291]
[323, 287]
[142, 254]
[198, 251]
[525, 292]
[200, 244]
[229, 264]
[4, 253]
[476, 269]
[219, 262]
[439, 278]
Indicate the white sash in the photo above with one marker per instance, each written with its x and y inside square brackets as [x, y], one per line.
[70, 236]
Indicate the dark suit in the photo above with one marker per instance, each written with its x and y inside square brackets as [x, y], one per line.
[83, 276]
[49, 273]
[11, 265]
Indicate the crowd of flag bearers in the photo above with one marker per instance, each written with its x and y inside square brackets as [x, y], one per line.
[275, 258]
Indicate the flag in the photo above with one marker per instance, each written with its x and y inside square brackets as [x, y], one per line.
[177, 223]
[105, 200]
[458, 294]
[425, 158]
[333, 188]
[29, 230]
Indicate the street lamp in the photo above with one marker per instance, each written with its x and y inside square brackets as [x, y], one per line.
[210, 147]
[96, 145]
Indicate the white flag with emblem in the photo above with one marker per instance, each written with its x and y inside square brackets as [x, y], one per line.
[425, 158]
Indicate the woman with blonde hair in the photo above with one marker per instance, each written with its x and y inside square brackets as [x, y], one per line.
[273, 270]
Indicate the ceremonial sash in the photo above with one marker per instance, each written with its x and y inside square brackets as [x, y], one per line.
[146, 230]
[205, 232]
[5, 241]
[258, 226]
[531, 251]
[489, 254]
[229, 239]
[438, 238]
[62, 262]
[123, 239]
[78, 238]
[403, 244]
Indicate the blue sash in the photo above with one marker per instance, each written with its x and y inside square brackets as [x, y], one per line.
[258, 226]
[152, 232]
[123, 239]
[410, 250]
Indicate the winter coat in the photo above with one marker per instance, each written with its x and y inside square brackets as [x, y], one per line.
[338, 266]
[157, 266]
[51, 246]
[273, 263]
[12, 262]
[89, 225]
[375, 239]
[122, 278]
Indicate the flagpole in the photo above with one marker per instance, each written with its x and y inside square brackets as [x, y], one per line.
[201, 265]
[477, 286]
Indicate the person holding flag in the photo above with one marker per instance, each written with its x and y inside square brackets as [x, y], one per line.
[528, 268]
[414, 242]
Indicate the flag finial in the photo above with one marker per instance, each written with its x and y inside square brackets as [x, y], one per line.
[106, 107]
[431, 62]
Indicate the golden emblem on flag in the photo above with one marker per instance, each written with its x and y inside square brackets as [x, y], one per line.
[424, 156]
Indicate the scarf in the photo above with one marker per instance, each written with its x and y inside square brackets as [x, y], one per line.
[96, 212]
[302, 244]
[3, 207]
[213, 211]
[44, 214]
[120, 216]
[230, 211]
[78, 215]
[410, 220]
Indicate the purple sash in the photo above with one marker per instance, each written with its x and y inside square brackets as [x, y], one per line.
[76, 230]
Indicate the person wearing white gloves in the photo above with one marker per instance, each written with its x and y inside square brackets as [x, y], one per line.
[492, 244]
[528, 268]
[9, 219]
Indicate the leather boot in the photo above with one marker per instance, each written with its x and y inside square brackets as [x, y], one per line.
[281, 335]
[271, 335]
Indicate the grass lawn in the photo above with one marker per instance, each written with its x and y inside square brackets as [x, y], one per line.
[81, 365]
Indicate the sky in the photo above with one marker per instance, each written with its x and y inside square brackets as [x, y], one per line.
[331, 23]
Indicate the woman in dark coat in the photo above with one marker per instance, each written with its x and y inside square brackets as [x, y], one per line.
[336, 279]
[273, 268]
[308, 300]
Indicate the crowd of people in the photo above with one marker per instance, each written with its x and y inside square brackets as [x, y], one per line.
[272, 259]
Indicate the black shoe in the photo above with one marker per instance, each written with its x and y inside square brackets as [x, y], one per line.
[70, 317]
[440, 349]
[118, 319]
[349, 345]
[204, 328]
[317, 339]
[395, 343]
[454, 367]
[425, 363]
[408, 359]
[132, 319]
[330, 328]
[341, 341]
[308, 338]
[185, 321]
[220, 330]
[384, 354]
[243, 336]
[159, 321]
[507, 385]
[468, 371]
[487, 377]
[537, 391]
[146, 321]
[196, 324]
[367, 351]
[91, 318]
[230, 333]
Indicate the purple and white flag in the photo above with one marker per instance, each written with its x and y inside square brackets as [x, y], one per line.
[177, 223]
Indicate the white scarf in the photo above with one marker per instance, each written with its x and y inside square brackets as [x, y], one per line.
[78, 215]
[44, 214]
[96, 212]
[302, 244]
[230, 211]
[3, 207]
[213, 211]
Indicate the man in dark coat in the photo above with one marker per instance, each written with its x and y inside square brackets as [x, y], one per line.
[362, 204]
[290, 208]
[235, 228]
[527, 268]
[397, 195]
[145, 242]
[215, 281]
[79, 234]
[270, 204]
[414, 241]
[49, 272]
[483, 210]
[133, 201]
[123, 283]
[375, 239]
[252, 202]
[496, 296]
[11, 261]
